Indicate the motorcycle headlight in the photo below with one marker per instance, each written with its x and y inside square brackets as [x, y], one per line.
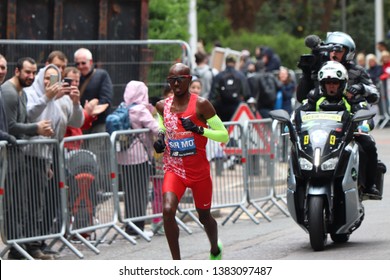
[330, 164]
[305, 164]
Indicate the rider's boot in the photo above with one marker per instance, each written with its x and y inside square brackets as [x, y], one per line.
[372, 192]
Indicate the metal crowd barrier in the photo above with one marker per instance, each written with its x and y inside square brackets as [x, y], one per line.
[32, 198]
[384, 114]
[138, 187]
[95, 186]
[228, 167]
[92, 196]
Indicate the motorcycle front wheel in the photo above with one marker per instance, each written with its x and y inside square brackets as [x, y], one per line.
[317, 222]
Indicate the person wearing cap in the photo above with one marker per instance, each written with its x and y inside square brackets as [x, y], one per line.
[229, 89]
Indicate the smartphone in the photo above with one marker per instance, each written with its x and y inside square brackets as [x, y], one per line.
[53, 79]
[68, 81]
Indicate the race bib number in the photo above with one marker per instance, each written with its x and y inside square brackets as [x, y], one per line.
[182, 147]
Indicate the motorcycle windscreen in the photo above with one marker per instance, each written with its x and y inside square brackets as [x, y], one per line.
[322, 130]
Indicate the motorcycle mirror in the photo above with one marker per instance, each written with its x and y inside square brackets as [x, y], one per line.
[280, 115]
[284, 117]
[362, 115]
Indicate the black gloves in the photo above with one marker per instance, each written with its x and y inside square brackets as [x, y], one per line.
[12, 140]
[8, 137]
[190, 126]
[356, 89]
[159, 144]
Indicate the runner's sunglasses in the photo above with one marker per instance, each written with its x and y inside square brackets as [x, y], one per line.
[174, 79]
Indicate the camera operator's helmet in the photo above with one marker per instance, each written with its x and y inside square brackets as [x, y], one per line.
[333, 71]
[341, 38]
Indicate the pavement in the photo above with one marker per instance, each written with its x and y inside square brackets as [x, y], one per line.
[243, 233]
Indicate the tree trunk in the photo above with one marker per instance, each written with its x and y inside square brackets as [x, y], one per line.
[328, 7]
[242, 13]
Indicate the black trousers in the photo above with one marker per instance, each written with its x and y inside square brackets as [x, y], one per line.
[367, 143]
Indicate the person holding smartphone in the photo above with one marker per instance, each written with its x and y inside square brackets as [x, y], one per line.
[47, 99]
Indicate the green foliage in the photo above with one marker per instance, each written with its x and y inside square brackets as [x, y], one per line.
[288, 47]
[282, 25]
[212, 23]
[168, 19]
[361, 28]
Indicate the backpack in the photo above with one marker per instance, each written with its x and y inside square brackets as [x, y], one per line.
[120, 120]
[268, 90]
[229, 88]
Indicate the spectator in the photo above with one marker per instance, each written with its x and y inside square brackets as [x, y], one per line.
[245, 61]
[385, 59]
[382, 46]
[251, 70]
[3, 68]
[229, 89]
[15, 102]
[195, 86]
[134, 162]
[361, 59]
[61, 103]
[91, 108]
[59, 59]
[204, 72]
[94, 83]
[270, 59]
[373, 68]
[3, 117]
[263, 87]
[287, 88]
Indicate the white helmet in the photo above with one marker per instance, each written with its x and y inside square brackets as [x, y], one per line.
[333, 71]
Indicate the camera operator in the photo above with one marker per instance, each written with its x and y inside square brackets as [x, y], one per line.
[341, 48]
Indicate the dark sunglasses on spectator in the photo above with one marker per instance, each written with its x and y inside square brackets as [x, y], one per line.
[82, 63]
[179, 79]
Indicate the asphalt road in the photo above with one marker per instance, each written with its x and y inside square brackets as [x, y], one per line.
[280, 245]
[280, 239]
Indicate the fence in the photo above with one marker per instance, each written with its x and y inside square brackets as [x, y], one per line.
[142, 60]
[32, 199]
[98, 183]
[383, 105]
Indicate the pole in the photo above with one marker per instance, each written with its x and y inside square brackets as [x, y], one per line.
[193, 30]
[379, 32]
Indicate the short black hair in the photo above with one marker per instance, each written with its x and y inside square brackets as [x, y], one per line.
[20, 62]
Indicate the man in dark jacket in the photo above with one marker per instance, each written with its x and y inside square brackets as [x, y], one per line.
[94, 83]
[264, 87]
[229, 89]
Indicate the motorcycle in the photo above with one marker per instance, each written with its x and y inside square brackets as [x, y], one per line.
[324, 186]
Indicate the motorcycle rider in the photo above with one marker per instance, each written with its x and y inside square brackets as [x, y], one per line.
[332, 94]
[359, 82]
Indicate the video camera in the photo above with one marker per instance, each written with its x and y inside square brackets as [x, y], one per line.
[311, 63]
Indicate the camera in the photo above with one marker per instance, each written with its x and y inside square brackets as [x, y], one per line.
[311, 63]
[68, 81]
